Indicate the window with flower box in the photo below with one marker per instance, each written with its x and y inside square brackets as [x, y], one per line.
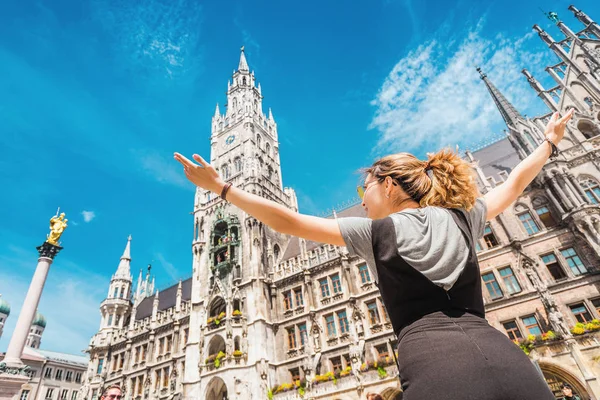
[512, 330]
[295, 374]
[373, 312]
[531, 325]
[596, 304]
[336, 364]
[553, 266]
[581, 313]
[382, 350]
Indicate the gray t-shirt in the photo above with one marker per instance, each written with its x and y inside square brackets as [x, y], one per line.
[428, 239]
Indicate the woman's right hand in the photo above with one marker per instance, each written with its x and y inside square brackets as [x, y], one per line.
[203, 175]
[555, 130]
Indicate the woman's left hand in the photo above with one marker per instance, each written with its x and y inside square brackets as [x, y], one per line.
[202, 175]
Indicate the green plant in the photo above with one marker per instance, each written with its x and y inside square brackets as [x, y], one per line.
[218, 359]
[269, 394]
[381, 372]
[237, 353]
[237, 313]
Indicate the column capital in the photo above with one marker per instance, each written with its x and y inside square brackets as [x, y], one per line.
[48, 250]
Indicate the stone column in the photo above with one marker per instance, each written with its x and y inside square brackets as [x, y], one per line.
[552, 198]
[47, 253]
[561, 193]
[577, 186]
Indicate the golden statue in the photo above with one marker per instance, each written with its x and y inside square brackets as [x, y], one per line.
[58, 224]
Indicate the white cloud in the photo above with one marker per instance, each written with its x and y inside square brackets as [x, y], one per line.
[168, 267]
[88, 216]
[434, 97]
[162, 169]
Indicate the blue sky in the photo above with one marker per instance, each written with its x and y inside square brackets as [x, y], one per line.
[96, 95]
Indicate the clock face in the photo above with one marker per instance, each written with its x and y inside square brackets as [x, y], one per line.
[230, 139]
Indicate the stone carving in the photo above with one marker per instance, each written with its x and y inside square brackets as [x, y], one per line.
[58, 224]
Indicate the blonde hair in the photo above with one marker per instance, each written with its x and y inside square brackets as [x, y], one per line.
[444, 180]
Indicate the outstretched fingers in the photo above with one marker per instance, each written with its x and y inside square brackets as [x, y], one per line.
[567, 117]
[200, 160]
[184, 160]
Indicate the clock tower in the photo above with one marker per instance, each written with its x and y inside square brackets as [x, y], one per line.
[234, 254]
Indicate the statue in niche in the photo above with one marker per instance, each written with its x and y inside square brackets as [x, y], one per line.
[558, 322]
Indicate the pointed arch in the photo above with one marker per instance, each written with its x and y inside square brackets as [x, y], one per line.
[217, 306]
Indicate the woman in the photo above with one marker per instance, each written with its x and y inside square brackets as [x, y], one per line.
[418, 241]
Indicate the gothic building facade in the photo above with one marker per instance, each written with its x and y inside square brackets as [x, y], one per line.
[264, 315]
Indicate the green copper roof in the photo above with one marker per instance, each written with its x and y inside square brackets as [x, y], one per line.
[39, 320]
[4, 306]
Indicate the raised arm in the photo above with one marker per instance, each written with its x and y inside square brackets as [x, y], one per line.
[274, 215]
[504, 195]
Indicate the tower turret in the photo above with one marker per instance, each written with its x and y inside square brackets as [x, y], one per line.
[117, 305]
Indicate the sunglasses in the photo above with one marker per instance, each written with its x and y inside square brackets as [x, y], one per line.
[362, 189]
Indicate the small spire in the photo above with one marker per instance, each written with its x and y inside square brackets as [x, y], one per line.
[123, 271]
[217, 111]
[270, 114]
[259, 89]
[243, 63]
[508, 112]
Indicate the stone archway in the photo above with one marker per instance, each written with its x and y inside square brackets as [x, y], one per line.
[555, 377]
[216, 390]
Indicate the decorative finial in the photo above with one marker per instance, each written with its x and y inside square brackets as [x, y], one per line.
[481, 73]
[551, 15]
[242, 49]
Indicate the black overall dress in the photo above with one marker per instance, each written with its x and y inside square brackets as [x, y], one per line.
[446, 348]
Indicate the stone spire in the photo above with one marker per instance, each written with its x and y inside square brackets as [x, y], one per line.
[507, 110]
[217, 111]
[270, 115]
[243, 63]
[178, 298]
[584, 19]
[124, 271]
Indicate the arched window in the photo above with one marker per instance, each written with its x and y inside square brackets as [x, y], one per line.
[276, 251]
[235, 104]
[225, 170]
[269, 172]
[217, 307]
[588, 102]
[238, 164]
[244, 81]
[122, 293]
[258, 139]
[588, 128]
[268, 149]
[116, 292]
[591, 189]
[236, 343]
[255, 106]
